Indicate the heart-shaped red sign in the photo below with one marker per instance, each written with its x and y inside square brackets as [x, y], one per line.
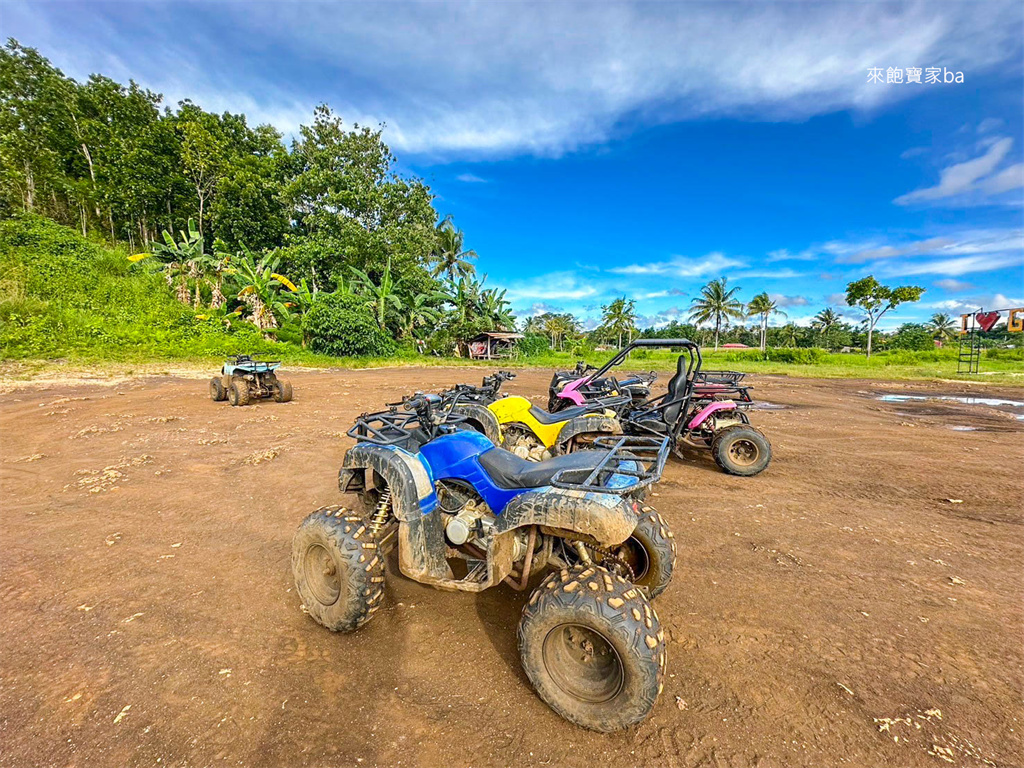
[987, 319]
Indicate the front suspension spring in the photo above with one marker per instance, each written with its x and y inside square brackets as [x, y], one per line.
[381, 512]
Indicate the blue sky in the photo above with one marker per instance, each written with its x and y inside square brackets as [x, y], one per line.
[597, 150]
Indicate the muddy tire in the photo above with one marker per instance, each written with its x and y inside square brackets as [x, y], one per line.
[651, 552]
[593, 648]
[238, 393]
[217, 391]
[338, 572]
[741, 450]
[282, 391]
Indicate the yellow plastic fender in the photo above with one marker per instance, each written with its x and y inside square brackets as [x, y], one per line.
[515, 409]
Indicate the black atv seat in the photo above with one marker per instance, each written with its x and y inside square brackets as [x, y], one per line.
[509, 471]
[544, 417]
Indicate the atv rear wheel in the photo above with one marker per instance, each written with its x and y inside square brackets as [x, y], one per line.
[741, 450]
[593, 648]
[339, 574]
[217, 391]
[238, 393]
[282, 391]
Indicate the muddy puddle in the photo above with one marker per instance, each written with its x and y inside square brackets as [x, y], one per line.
[977, 416]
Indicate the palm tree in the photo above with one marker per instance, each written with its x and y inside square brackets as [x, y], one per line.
[380, 296]
[763, 306]
[717, 303]
[942, 326]
[619, 317]
[448, 252]
[825, 321]
[790, 335]
[558, 326]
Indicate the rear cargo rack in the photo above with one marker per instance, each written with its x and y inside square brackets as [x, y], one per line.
[719, 377]
[384, 427]
[640, 459]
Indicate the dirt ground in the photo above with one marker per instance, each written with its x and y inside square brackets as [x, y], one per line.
[860, 603]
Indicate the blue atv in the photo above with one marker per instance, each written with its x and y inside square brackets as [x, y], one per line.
[467, 515]
[245, 378]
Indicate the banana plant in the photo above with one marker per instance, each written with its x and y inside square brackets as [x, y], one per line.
[419, 312]
[260, 288]
[181, 260]
[379, 296]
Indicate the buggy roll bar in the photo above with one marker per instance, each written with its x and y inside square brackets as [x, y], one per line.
[691, 347]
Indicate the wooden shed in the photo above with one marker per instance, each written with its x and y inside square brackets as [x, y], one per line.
[492, 345]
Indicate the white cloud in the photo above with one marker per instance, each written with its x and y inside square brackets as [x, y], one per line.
[564, 286]
[470, 178]
[682, 266]
[789, 301]
[515, 81]
[808, 254]
[774, 274]
[977, 177]
[953, 286]
[959, 265]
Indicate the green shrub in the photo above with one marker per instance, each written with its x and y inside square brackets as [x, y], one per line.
[63, 295]
[343, 326]
[1016, 353]
[534, 345]
[796, 355]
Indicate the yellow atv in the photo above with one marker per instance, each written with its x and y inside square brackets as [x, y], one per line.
[535, 434]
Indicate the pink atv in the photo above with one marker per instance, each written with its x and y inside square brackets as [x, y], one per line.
[697, 410]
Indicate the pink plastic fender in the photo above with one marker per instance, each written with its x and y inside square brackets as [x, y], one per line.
[707, 410]
[570, 393]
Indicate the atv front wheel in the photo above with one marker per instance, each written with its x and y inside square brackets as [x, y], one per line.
[217, 391]
[741, 450]
[338, 573]
[593, 648]
[282, 391]
[238, 393]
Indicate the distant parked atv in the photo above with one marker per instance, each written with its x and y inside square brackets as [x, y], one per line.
[245, 378]
[467, 515]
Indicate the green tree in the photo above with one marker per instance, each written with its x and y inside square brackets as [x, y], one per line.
[718, 304]
[202, 155]
[619, 318]
[763, 307]
[913, 336]
[449, 256]
[346, 195]
[875, 299]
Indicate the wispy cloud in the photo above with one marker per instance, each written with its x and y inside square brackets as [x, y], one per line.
[564, 286]
[682, 266]
[808, 254]
[515, 83]
[953, 286]
[470, 178]
[960, 265]
[972, 181]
